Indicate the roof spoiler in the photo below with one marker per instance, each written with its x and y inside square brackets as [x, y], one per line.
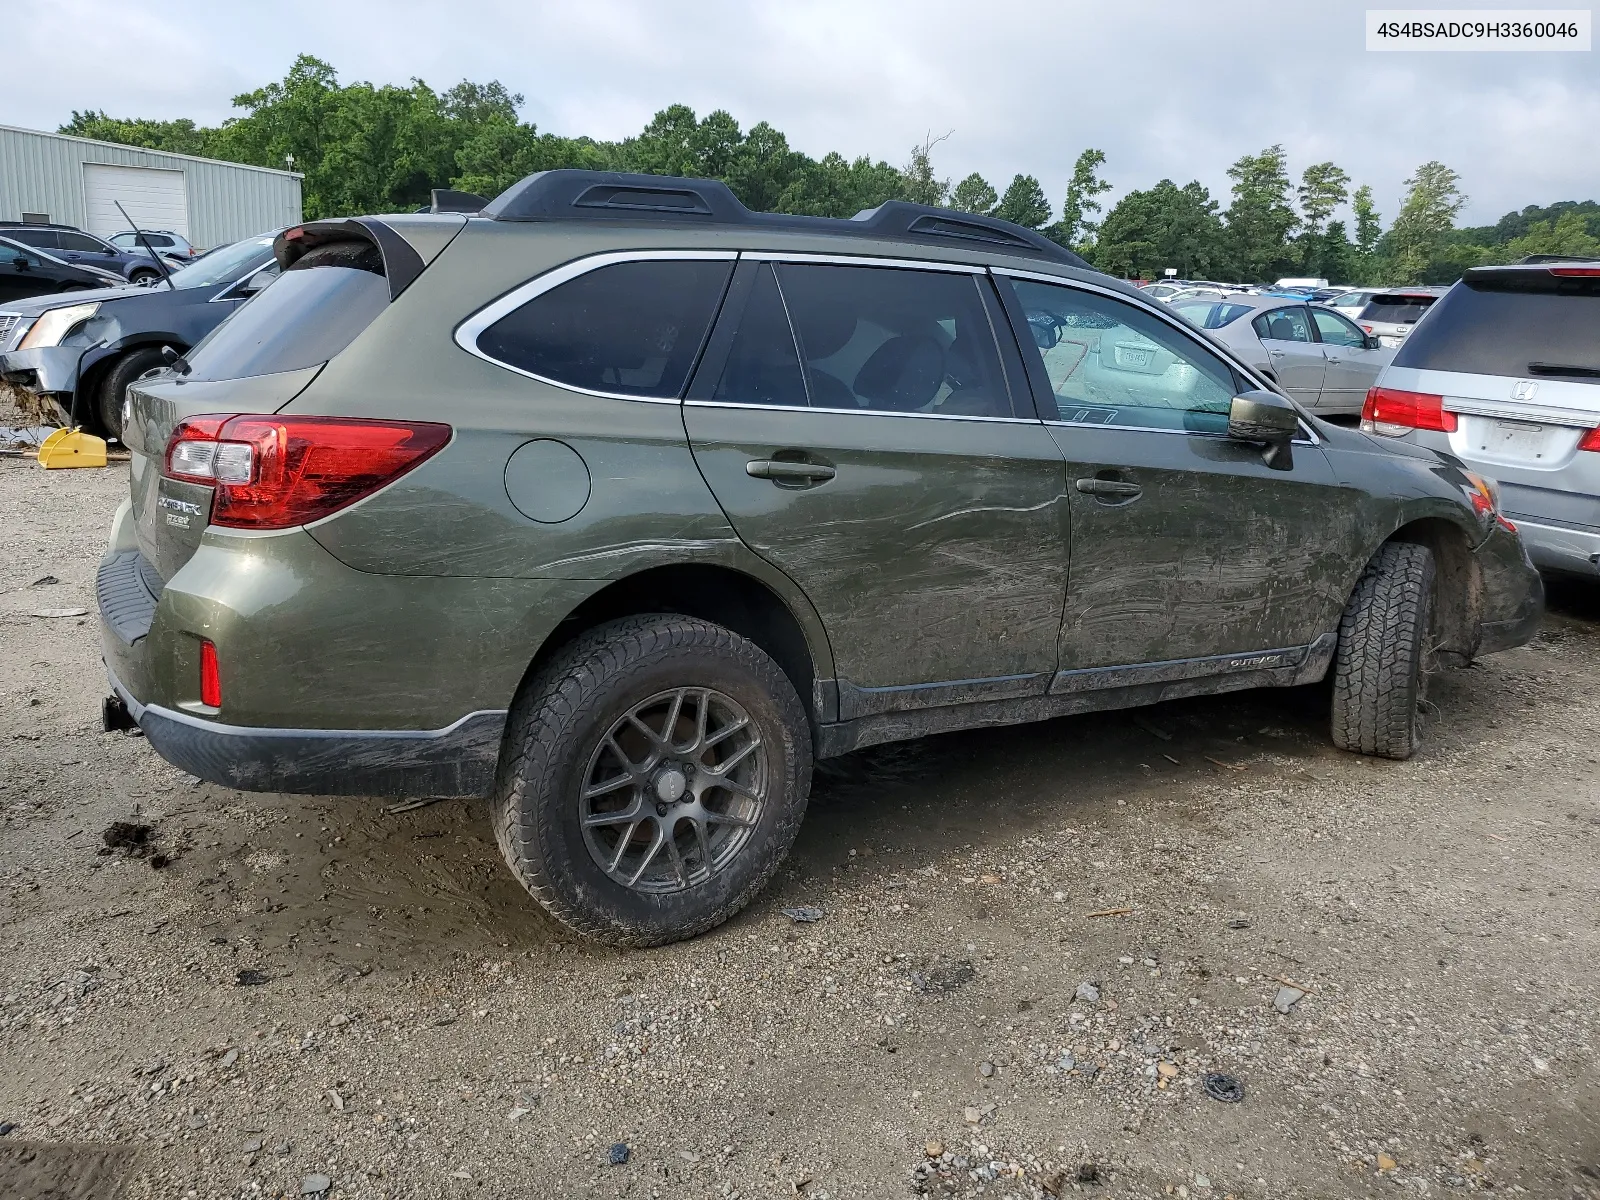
[573, 195]
[448, 200]
[401, 264]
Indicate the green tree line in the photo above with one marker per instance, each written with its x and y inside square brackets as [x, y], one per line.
[365, 148]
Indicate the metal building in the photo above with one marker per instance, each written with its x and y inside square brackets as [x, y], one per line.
[75, 181]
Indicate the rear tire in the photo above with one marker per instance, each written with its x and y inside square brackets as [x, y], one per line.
[591, 783]
[114, 387]
[1380, 668]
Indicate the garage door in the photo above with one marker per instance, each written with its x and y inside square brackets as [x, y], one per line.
[154, 199]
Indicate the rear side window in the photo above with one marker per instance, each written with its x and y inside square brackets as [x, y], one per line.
[43, 239]
[1396, 310]
[629, 329]
[314, 310]
[1486, 328]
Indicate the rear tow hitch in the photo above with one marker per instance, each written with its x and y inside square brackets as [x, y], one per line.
[115, 717]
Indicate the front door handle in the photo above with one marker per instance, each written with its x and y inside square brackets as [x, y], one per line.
[782, 471]
[1108, 487]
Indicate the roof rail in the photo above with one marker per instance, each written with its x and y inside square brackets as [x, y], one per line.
[573, 195]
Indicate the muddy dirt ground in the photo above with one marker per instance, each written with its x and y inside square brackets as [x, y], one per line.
[277, 996]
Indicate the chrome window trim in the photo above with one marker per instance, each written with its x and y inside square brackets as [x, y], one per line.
[857, 260]
[468, 332]
[1311, 437]
[860, 412]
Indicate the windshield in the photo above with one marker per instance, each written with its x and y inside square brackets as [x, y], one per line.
[227, 264]
[1210, 314]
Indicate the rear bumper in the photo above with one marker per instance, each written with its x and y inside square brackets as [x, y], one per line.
[458, 760]
[1574, 551]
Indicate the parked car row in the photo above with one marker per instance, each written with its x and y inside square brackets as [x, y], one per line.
[26, 272]
[122, 255]
[1318, 355]
[96, 334]
[620, 505]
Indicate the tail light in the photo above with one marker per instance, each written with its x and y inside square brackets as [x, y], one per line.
[1575, 272]
[1590, 441]
[276, 472]
[1392, 412]
[210, 676]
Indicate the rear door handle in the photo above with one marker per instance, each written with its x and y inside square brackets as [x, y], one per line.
[1108, 487]
[781, 471]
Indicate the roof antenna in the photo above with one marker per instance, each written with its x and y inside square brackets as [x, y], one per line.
[145, 242]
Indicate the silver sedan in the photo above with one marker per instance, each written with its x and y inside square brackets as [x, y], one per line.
[1318, 356]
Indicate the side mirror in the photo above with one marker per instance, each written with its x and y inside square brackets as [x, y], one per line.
[20, 263]
[1372, 342]
[1268, 420]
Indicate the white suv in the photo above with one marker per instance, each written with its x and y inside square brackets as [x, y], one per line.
[1505, 375]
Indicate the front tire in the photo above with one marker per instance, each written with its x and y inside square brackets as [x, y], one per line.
[114, 387]
[653, 777]
[1380, 669]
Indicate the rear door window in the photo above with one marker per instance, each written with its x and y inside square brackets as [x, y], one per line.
[1526, 324]
[895, 340]
[1284, 325]
[631, 329]
[763, 365]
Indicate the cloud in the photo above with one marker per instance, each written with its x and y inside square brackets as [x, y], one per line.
[1165, 89]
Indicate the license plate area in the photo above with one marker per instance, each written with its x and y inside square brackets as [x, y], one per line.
[1524, 443]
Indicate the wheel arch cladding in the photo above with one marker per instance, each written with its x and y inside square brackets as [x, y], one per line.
[717, 594]
[1457, 583]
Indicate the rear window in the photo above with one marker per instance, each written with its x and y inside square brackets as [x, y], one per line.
[630, 329]
[313, 310]
[1502, 327]
[1396, 310]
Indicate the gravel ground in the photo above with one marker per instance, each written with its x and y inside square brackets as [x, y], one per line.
[1034, 945]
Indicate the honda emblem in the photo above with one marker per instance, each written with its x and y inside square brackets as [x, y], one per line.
[1524, 389]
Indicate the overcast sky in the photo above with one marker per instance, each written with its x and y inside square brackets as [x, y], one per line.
[1165, 87]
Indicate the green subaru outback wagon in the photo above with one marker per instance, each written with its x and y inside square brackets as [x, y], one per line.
[619, 504]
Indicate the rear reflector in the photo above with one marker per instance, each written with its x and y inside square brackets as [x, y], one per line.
[276, 472]
[210, 677]
[1590, 441]
[1392, 412]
